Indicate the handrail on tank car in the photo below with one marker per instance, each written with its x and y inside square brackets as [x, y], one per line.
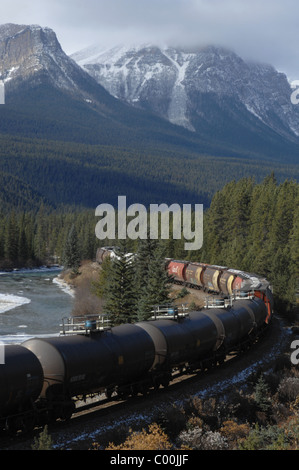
[84, 324]
[218, 302]
[169, 311]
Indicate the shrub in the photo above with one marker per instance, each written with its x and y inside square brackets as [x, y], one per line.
[43, 442]
[265, 438]
[154, 439]
[196, 439]
[172, 420]
[86, 302]
[182, 293]
[234, 433]
[288, 389]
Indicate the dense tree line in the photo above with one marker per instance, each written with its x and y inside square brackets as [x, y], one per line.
[255, 228]
[249, 226]
[55, 173]
[29, 239]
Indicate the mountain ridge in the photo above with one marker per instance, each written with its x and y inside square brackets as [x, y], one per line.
[66, 140]
[171, 81]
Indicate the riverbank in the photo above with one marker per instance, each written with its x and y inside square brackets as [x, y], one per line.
[82, 287]
[32, 303]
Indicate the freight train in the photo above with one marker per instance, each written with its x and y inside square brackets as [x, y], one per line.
[220, 280]
[42, 378]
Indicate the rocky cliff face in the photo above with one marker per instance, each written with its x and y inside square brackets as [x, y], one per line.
[184, 86]
[218, 102]
[32, 53]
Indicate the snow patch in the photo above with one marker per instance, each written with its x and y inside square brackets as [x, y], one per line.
[64, 286]
[9, 302]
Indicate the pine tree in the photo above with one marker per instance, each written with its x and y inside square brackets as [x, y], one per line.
[156, 287]
[71, 258]
[294, 248]
[11, 239]
[262, 210]
[41, 236]
[283, 280]
[262, 394]
[23, 247]
[120, 294]
[145, 252]
[100, 286]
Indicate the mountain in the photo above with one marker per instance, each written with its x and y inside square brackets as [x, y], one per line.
[66, 141]
[48, 94]
[210, 91]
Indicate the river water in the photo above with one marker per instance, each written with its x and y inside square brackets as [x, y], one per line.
[32, 303]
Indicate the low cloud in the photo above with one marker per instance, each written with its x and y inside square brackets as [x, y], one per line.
[265, 31]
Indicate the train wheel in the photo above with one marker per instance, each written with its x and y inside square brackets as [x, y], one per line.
[156, 384]
[67, 410]
[221, 360]
[144, 390]
[165, 381]
[123, 393]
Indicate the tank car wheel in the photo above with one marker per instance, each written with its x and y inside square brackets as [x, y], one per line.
[165, 382]
[67, 411]
[134, 390]
[123, 393]
[144, 390]
[221, 360]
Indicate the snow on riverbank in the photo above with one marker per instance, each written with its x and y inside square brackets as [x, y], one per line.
[64, 286]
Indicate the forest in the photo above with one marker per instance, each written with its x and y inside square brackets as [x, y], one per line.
[68, 174]
[249, 226]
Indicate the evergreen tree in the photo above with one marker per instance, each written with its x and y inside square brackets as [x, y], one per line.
[156, 286]
[41, 236]
[11, 240]
[100, 286]
[145, 252]
[262, 394]
[283, 280]
[239, 216]
[294, 244]
[71, 258]
[262, 210]
[120, 294]
[23, 247]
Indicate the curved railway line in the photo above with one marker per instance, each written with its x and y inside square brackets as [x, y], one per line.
[44, 378]
[93, 420]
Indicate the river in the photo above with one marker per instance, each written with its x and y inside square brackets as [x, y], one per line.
[32, 303]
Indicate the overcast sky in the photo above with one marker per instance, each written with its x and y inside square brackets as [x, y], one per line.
[262, 30]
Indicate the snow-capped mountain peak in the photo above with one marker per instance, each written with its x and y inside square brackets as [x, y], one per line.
[175, 83]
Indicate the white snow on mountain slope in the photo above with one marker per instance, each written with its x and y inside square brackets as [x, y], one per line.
[170, 81]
